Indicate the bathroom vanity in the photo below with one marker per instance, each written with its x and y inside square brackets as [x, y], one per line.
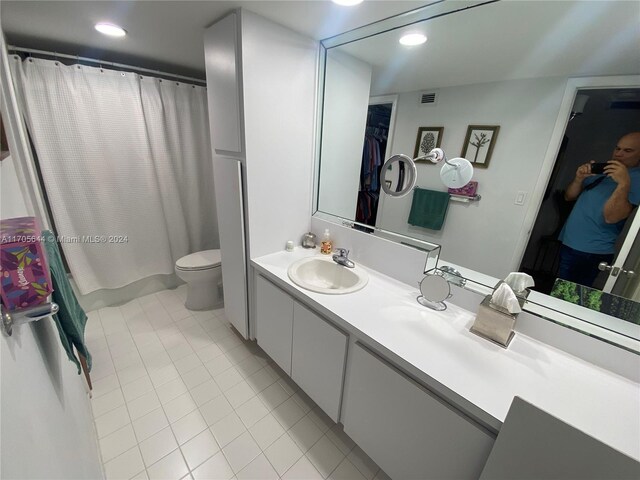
[419, 393]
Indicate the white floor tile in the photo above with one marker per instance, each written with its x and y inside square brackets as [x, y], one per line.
[162, 375]
[381, 475]
[105, 385]
[241, 451]
[302, 470]
[137, 388]
[218, 334]
[260, 380]
[266, 431]
[288, 413]
[229, 342]
[216, 468]
[130, 374]
[252, 411]
[208, 353]
[249, 366]
[239, 394]
[367, 467]
[112, 421]
[171, 467]
[189, 426]
[218, 365]
[143, 405]
[141, 476]
[196, 377]
[273, 396]
[157, 446]
[346, 471]
[340, 439]
[304, 401]
[283, 454]
[205, 392]
[127, 360]
[258, 469]
[238, 354]
[107, 402]
[187, 363]
[215, 410]
[171, 389]
[321, 419]
[228, 429]
[305, 433]
[179, 407]
[150, 424]
[200, 448]
[180, 351]
[125, 466]
[325, 456]
[117, 443]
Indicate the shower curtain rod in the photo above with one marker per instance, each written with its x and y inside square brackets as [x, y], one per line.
[12, 48]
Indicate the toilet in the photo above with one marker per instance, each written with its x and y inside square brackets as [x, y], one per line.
[203, 275]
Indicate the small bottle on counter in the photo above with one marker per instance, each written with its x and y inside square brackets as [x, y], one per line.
[326, 245]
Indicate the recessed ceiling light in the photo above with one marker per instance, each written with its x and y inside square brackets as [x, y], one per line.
[347, 3]
[411, 39]
[110, 29]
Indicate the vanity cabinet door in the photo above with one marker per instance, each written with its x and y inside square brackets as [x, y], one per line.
[274, 322]
[319, 352]
[407, 430]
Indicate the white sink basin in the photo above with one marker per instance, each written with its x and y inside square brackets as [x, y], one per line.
[323, 275]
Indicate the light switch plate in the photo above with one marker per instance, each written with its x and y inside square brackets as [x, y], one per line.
[520, 197]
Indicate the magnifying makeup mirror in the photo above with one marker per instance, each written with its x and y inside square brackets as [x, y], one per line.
[455, 173]
[434, 290]
[399, 175]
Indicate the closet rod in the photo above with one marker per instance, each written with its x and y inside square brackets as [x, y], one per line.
[12, 48]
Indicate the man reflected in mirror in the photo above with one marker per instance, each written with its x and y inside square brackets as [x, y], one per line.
[603, 203]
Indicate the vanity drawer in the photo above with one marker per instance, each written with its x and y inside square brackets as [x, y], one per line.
[406, 429]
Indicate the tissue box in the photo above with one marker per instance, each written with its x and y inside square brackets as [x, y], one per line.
[25, 279]
[494, 323]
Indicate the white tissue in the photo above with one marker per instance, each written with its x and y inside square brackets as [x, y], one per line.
[519, 281]
[505, 298]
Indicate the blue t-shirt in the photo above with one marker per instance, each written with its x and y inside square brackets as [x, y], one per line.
[586, 229]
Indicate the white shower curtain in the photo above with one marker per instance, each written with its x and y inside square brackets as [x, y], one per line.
[126, 165]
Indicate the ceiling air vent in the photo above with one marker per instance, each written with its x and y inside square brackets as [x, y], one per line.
[428, 98]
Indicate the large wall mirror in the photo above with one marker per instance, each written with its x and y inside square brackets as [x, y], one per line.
[527, 91]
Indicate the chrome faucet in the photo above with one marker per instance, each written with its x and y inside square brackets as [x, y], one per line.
[342, 258]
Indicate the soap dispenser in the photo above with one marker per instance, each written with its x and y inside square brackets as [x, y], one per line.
[326, 245]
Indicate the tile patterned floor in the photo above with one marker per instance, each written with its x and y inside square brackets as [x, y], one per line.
[180, 395]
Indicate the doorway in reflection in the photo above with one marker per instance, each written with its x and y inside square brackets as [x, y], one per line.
[600, 118]
[374, 153]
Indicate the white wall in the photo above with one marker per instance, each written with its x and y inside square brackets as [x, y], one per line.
[279, 88]
[480, 235]
[346, 101]
[47, 427]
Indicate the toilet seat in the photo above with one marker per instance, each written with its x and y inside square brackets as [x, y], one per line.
[203, 260]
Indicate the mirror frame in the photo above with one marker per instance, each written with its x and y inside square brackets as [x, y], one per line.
[568, 315]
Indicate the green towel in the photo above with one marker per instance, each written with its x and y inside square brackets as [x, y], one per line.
[70, 318]
[428, 208]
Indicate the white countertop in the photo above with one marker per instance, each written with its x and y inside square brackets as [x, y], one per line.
[438, 346]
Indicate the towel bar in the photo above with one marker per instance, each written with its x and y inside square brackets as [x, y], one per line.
[465, 199]
[32, 314]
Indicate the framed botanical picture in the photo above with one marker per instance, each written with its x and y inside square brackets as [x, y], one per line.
[478, 146]
[428, 139]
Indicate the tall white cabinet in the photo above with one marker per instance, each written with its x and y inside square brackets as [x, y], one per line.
[261, 86]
